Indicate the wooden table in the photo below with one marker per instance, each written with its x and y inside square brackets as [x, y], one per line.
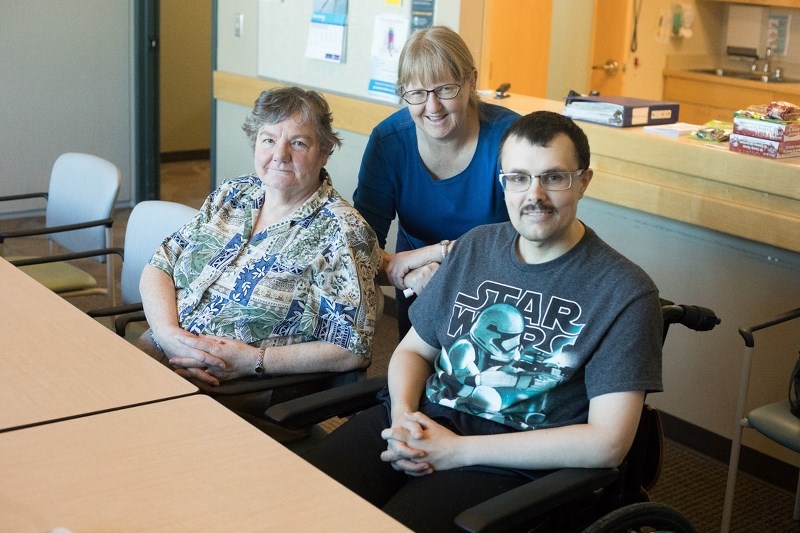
[58, 363]
[181, 465]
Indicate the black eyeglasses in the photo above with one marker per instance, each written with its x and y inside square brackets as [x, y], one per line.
[550, 181]
[442, 92]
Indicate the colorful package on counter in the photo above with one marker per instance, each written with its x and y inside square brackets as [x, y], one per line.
[716, 131]
[771, 130]
[763, 147]
[783, 111]
[779, 111]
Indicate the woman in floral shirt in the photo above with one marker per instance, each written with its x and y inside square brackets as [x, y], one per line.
[276, 272]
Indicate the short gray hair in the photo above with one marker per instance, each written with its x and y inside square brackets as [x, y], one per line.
[276, 105]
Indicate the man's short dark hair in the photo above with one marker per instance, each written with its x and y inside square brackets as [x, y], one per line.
[540, 127]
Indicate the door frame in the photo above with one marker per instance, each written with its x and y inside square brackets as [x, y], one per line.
[147, 155]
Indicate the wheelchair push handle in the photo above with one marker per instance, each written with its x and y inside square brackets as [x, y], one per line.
[694, 317]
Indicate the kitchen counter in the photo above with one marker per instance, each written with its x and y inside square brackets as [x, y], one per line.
[776, 87]
[691, 181]
[681, 179]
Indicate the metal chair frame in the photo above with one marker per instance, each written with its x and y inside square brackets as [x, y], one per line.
[772, 420]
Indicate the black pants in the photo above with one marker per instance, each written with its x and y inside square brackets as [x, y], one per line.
[351, 455]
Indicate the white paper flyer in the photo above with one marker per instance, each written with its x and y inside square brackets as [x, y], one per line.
[388, 37]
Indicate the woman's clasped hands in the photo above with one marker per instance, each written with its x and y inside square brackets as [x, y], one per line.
[207, 358]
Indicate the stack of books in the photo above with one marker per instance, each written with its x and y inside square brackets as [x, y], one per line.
[759, 134]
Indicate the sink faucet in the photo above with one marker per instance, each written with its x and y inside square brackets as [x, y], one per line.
[766, 68]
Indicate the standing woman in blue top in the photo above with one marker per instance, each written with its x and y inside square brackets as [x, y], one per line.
[433, 163]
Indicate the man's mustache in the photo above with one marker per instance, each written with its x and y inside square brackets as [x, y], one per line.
[538, 206]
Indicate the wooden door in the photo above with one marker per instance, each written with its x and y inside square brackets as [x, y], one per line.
[611, 39]
[516, 45]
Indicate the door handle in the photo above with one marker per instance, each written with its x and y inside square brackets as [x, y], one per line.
[611, 67]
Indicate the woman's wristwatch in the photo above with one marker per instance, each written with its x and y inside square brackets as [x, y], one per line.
[155, 342]
[260, 372]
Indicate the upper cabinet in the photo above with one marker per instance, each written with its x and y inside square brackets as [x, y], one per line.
[776, 3]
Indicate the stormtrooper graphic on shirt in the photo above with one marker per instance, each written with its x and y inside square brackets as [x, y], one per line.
[504, 365]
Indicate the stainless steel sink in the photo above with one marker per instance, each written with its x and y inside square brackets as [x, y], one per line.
[752, 76]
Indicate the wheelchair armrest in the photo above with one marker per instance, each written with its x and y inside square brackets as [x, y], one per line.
[108, 222]
[250, 384]
[121, 322]
[66, 257]
[25, 196]
[515, 509]
[113, 311]
[125, 314]
[315, 408]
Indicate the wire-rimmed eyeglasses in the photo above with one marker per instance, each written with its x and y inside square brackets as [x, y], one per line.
[442, 92]
[550, 181]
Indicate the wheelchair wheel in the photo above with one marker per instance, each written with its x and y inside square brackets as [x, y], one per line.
[646, 517]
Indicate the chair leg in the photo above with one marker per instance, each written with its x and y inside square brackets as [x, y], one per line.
[110, 280]
[736, 443]
[110, 277]
[730, 487]
[797, 501]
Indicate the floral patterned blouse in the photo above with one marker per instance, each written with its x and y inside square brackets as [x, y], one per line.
[308, 277]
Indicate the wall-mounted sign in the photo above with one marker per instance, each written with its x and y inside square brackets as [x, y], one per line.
[421, 14]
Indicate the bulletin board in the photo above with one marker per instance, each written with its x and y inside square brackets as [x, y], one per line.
[283, 32]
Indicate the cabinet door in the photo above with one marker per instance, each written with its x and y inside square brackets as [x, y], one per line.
[786, 97]
[701, 101]
[700, 114]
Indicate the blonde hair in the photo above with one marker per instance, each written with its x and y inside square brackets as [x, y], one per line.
[433, 53]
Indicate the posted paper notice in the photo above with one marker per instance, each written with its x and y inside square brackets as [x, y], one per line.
[388, 37]
[327, 31]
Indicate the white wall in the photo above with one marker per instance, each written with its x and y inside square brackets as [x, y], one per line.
[66, 86]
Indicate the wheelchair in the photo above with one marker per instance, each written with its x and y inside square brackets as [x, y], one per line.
[593, 500]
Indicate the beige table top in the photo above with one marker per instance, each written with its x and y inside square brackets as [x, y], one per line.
[180, 465]
[59, 363]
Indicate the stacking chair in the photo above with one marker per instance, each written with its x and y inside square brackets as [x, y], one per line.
[81, 195]
[775, 420]
[149, 223]
[595, 500]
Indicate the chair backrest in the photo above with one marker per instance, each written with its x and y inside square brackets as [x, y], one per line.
[83, 188]
[149, 224]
